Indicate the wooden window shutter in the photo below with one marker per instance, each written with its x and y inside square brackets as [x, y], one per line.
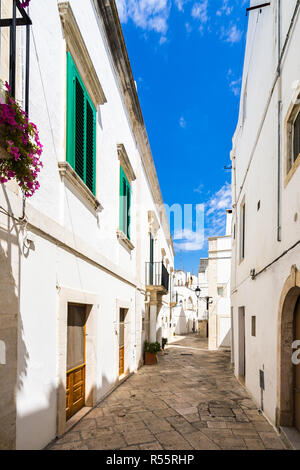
[122, 197]
[81, 127]
[296, 143]
[128, 210]
[90, 146]
[79, 130]
[125, 204]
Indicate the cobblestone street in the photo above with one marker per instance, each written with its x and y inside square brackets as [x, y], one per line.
[190, 400]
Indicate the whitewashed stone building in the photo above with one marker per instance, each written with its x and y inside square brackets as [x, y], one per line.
[265, 290]
[85, 262]
[219, 271]
[214, 282]
[187, 309]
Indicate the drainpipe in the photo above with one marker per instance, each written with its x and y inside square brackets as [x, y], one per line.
[279, 123]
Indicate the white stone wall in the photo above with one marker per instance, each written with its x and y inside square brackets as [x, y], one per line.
[219, 270]
[188, 309]
[72, 247]
[254, 179]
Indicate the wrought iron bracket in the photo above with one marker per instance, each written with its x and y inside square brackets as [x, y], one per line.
[12, 24]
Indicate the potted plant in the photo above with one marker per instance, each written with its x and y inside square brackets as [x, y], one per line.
[20, 147]
[151, 350]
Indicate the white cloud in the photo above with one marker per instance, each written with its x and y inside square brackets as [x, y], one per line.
[122, 10]
[235, 86]
[188, 27]
[200, 11]
[220, 201]
[215, 215]
[232, 34]
[182, 122]
[162, 40]
[199, 188]
[150, 15]
[225, 9]
[189, 240]
[180, 4]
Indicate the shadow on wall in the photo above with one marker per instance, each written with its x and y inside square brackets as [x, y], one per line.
[181, 321]
[11, 331]
[226, 341]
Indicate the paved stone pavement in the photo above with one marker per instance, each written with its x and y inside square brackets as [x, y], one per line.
[190, 400]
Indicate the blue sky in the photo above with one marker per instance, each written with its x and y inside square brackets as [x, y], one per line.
[187, 59]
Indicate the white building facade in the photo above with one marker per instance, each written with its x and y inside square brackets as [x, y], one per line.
[219, 271]
[265, 287]
[85, 263]
[187, 309]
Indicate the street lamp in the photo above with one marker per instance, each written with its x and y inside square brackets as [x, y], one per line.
[198, 292]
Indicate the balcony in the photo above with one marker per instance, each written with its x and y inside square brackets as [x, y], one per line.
[157, 277]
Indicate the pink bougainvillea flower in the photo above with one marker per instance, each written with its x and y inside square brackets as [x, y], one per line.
[21, 139]
[24, 3]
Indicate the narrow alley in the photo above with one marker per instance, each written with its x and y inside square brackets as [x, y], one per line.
[189, 400]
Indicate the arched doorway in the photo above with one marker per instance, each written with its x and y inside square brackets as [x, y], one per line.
[296, 363]
[288, 397]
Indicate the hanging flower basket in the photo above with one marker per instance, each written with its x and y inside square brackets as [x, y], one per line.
[20, 147]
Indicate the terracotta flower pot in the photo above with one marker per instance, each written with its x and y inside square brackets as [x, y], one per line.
[150, 359]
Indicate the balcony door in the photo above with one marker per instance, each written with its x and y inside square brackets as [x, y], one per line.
[242, 343]
[75, 384]
[151, 259]
[122, 317]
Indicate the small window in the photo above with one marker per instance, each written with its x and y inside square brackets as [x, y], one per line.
[242, 231]
[221, 291]
[296, 138]
[253, 326]
[125, 203]
[258, 205]
[234, 232]
[293, 138]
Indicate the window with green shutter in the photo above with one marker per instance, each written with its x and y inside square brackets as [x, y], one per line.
[81, 127]
[125, 204]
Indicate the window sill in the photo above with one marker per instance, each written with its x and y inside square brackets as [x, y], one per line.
[124, 240]
[67, 172]
[292, 171]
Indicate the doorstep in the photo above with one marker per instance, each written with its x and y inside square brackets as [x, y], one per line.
[74, 420]
[291, 437]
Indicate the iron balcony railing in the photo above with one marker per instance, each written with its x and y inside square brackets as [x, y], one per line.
[157, 275]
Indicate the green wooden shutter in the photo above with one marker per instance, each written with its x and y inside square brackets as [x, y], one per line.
[90, 146]
[125, 203]
[71, 98]
[80, 121]
[81, 127]
[128, 210]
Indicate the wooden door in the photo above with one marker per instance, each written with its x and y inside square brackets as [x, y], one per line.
[121, 341]
[75, 386]
[242, 343]
[297, 369]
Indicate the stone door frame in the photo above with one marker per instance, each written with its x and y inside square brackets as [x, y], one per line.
[67, 296]
[285, 372]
